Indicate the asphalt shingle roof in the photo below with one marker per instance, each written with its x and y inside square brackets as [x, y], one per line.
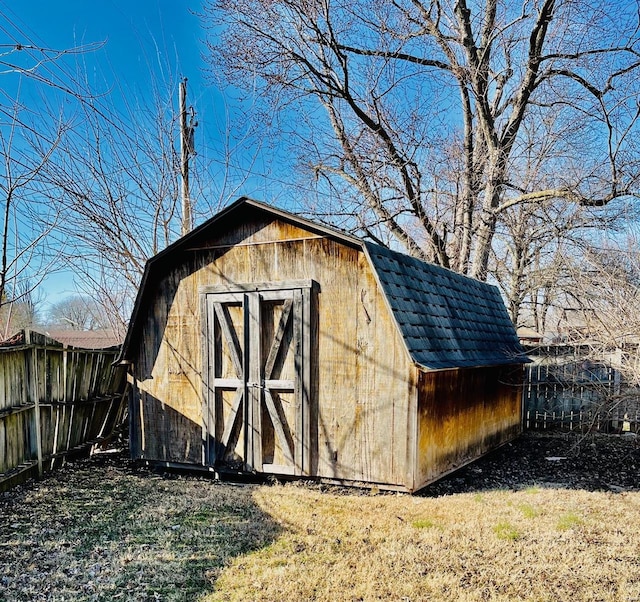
[447, 320]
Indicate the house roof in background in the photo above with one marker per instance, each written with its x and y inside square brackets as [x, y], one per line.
[91, 339]
[529, 334]
[86, 339]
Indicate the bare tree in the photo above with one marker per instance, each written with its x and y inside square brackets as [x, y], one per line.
[101, 189]
[593, 372]
[30, 140]
[534, 252]
[601, 309]
[77, 313]
[21, 309]
[117, 185]
[411, 114]
[26, 252]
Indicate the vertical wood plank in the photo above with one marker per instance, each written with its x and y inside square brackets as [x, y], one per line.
[56, 429]
[12, 441]
[31, 365]
[135, 418]
[4, 466]
[65, 369]
[253, 354]
[411, 475]
[208, 415]
[302, 349]
[4, 402]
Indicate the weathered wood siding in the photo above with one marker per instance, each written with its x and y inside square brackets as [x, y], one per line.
[362, 374]
[463, 414]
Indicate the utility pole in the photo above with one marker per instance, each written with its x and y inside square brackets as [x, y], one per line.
[186, 149]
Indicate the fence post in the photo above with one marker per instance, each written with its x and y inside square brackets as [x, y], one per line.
[31, 357]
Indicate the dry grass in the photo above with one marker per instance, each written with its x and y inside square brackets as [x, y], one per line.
[104, 531]
[527, 545]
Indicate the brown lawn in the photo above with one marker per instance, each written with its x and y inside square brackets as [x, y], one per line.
[514, 526]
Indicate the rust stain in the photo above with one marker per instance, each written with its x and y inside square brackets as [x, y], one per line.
[463, 414]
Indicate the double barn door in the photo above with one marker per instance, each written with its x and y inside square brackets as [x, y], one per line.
[257, 381]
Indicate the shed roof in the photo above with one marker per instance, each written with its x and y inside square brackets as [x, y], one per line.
[446, 320]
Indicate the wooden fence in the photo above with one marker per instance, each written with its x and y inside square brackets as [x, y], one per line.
[54, 401]
[566, 388]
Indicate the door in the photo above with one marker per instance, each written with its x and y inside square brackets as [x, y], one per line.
[257, 382]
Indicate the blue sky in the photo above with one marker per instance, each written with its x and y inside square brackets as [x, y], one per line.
[130, 29]
[142, 41]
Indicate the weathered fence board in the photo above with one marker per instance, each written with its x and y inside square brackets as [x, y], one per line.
[567, 387]
[54, 401]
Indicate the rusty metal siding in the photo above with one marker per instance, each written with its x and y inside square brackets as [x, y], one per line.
[463, 414]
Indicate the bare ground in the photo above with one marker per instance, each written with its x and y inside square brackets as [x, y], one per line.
[593, 462]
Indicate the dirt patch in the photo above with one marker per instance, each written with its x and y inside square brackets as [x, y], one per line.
[565, 460]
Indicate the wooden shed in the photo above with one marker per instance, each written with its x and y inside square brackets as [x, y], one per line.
[262, 342]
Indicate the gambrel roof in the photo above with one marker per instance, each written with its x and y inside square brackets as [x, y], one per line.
[446, 320]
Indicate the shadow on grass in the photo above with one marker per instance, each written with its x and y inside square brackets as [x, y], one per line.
[105, 530]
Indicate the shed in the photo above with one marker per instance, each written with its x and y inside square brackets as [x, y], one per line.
[263, 342]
